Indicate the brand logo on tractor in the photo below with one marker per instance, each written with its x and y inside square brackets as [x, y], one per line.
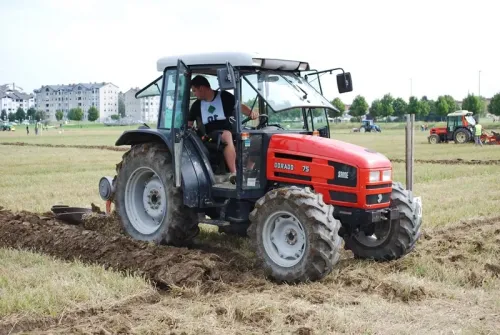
[379, 198]
[283, 166]
[343, 174]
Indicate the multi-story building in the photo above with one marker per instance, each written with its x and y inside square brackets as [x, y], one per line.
[103, 96]
[11, 98]
[144, 109]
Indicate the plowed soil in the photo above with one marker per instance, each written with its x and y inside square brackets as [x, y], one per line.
[216, 283]
[457, 161]
[100, 241]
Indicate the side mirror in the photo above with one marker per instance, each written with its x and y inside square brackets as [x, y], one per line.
[344, 82]
[226, 78]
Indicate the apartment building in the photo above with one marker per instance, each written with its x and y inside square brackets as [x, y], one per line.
[145, 109]
[11, 98]
[103, 96]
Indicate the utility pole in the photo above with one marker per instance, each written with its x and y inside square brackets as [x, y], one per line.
[479, 84]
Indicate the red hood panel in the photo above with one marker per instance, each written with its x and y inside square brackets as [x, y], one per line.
[328, 148]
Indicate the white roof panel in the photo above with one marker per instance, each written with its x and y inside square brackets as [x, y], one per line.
[235, 58]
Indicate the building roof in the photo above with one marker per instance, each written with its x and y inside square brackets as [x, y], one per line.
[235, 58]
[71, 87]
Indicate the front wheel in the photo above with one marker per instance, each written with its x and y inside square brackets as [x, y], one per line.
[295, 235]
[390, 240]
[150, 207]
[434, 139]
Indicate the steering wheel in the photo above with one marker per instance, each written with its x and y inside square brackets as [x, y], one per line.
[261, 122]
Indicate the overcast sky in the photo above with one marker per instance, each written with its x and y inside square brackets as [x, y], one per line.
[441, 45]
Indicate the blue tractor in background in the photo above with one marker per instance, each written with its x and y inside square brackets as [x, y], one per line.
[369, 126]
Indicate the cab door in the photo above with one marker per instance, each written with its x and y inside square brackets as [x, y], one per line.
[179, 117]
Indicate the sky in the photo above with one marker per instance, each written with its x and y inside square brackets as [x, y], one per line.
[400, 47]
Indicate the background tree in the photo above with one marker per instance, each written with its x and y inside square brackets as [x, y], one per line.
[11, 117]
[75, 114]
[442, 106]
[494, 106]
[376, 109]
[59, 115]
[30, 114]
[424, 107]
[341, 107]
[359, 106]
[387, 107]
[40, 116]
[452, 105]
[93, 114]
[473, 104]
[3, 115]
[20, 114]
[115, 117]
[400, 107]
[121, 105]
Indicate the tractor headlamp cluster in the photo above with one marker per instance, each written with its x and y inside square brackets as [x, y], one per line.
[376, 176]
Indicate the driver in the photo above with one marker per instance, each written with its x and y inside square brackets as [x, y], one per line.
[214, 108]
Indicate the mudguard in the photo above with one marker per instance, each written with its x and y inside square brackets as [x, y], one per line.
[197, 176]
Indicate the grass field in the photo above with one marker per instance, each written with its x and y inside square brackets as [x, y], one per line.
[450, 284]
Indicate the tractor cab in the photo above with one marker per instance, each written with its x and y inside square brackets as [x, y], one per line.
[459, 128]
[277, 89]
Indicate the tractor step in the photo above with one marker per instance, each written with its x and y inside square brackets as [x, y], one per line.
[218, 223]
[225, 185]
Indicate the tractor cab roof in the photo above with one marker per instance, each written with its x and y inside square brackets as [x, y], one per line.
[236, 59]
[460, 113]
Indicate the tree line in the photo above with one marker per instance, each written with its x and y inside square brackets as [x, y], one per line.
[422, 108]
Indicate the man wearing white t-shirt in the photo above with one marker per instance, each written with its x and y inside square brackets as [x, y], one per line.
[214, 108]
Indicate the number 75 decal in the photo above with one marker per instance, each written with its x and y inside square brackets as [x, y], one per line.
[305, 168]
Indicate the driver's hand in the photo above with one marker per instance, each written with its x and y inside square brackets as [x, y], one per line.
[254, 115]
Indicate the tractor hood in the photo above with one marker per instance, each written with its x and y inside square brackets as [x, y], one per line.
[339, 151]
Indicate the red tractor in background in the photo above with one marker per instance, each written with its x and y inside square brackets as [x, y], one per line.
[459, 128]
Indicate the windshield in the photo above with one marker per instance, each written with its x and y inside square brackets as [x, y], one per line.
[284, 91]
[471, 120]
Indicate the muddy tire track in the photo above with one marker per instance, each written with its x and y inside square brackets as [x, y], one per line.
[77, 146]
[457, 161]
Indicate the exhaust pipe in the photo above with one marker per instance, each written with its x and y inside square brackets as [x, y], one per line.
[106, 188]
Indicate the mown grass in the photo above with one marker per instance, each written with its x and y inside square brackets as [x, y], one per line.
[38, 285]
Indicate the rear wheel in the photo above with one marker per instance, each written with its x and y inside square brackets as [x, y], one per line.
[149, 205]
[295, 235]
[434, 139]
[390, 239]
[462, 136]
[362, 130]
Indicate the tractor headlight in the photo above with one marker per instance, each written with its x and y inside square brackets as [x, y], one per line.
[386, 175]
[374, 176]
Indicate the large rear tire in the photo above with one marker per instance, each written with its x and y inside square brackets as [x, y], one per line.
[390, 239]
[149, 205]
[462, 136]
[295, 235]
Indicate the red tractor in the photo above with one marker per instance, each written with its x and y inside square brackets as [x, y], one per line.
[459, 128]
[298, 193]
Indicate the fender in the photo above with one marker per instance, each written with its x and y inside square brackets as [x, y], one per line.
[197, 176]
[138, 136]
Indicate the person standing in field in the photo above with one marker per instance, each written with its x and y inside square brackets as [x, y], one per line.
[478, 130]
[27, 130]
